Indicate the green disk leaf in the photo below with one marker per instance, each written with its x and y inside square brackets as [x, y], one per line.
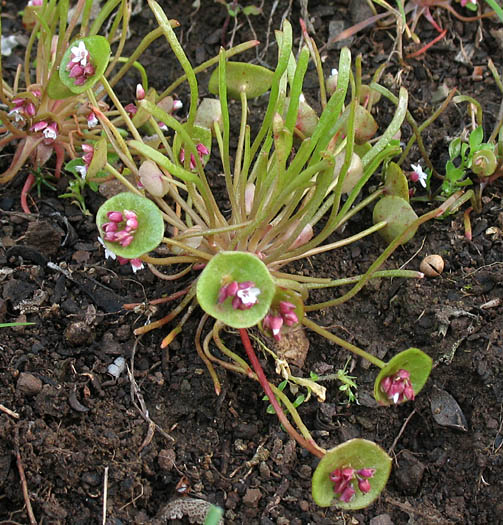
[398, 213]
[357, 454]
[414, 361]
[224, 268]
[150, 224]
[252, 79]
[99, 52]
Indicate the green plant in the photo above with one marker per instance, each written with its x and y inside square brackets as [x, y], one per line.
[299, 168]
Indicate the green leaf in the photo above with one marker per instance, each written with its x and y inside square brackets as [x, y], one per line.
[252, 79]
[99, 51]
[476, 137]
[57, 90]
[252, 10]
[414, 361]
[455, 148]
[399, 215]
[357, 454]
[150, 224]
[221, 270]
[395, 182]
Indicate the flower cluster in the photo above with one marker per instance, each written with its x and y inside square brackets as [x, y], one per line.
[80, 66]
[121, 228]
[398, 387]
[274, 321]
[344, 478]
[23, 108]
[201, 150]
[48, 129]
[87, 158]
[244, 295]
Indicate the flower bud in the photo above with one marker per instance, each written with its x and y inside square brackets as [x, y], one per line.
[153, 179]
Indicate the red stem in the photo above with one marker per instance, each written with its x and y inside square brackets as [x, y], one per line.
[428, 45]
[28, 183]
[308, 445]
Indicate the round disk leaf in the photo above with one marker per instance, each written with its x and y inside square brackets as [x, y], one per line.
[150, 224]
[357, 454]
[414, 361]
[252, 79]
[224, 268]
[99, 51]
[398, 213]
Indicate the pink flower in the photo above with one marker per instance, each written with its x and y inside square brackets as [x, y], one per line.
[92, 121]
[344, 480]
[274, 324]
[136, 264]
[398, 387]
[244, 295]
[121, 228]
[49, 130]
[140, 92]
[79, 66]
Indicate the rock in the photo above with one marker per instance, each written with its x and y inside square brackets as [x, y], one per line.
[252, 497]
[382, 519]
[166, 459]
[28, 384]
[79, 333]
[409, 473]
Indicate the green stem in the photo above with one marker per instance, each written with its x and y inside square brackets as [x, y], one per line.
[348, 346]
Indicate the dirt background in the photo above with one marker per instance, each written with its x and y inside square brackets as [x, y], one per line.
[169, 443]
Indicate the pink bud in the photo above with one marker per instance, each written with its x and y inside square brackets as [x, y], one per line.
[177, 104]
[386, 384]
[131, 109]
[109, 227]
[366, 472]
[115, 216]
[403, 374]
[110, 236]
[202, 149]
[347, 494]
[285, 307]
[336, 475]
[290, 318]
[76, 71]
[30, 109]
[409, 392]
[39, 126]
[364, 485]
[140, 92]
[348, 473]
[92, 121]
[249, 197]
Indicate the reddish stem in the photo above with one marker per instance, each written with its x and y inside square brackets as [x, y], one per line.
[308, 445]
[428, 45]
[28, 183]
[468, 223]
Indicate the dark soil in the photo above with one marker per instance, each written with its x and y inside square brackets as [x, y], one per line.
[166, 437]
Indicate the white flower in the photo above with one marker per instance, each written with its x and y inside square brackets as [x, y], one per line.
[81, 170]
[108, 253]
[80, 54]
[420, 175]
[49, 133]
[16, 114]
[248, 296]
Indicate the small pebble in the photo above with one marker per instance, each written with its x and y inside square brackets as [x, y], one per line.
[28, 384]
[79, 333]
[252, 497]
